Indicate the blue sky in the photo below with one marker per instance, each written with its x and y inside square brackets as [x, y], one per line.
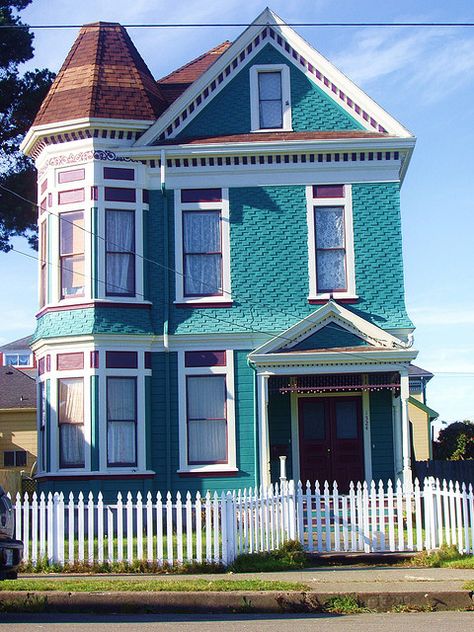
[423, 77]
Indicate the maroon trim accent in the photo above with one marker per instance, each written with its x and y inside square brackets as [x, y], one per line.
[322, 301]
[200, 195]
[70, 361]
[94, 359]
[41, 366]
[48, 363]
[119, 194]
[50, 199]
[205, 305]
[204, 358]
[43, 206]
[71, 196]
[72, 175]
[121, 359]
[62, 308]
[206, 474]
[92, 477]
[44, 185]
[118, 173]
[94, 193]
[328, 191]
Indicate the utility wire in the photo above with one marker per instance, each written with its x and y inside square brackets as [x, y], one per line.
[175, 25]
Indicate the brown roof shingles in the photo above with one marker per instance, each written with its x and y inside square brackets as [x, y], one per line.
[103, 77]
[265, 137]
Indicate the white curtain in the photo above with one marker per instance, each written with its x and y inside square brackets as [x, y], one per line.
[71, 421]
[121, 417]
[120, 244]
[202, 235]
[331, 264]
[207, 424]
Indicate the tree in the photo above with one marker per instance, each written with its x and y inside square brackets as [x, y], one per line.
[20, 99]
[455, 442]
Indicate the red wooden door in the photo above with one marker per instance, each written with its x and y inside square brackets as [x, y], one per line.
[331, 442]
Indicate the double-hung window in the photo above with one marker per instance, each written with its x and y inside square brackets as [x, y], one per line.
[71, 253]
[43, 262]
[207, 416]
[71, 422]
[120, 255]
[42, 426]
[270, 97]
[121, 421]
[331, 253]
[202, 246]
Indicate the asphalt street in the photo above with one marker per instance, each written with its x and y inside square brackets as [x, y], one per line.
[430, 622]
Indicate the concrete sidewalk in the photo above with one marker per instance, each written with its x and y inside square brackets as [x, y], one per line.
[380, 589]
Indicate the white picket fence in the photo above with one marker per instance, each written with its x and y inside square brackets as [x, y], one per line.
[216, 528]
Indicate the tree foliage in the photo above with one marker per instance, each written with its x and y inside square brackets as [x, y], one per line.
[455, 442]
[20, 98]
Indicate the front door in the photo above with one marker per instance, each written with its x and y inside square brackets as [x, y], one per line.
[331, 442]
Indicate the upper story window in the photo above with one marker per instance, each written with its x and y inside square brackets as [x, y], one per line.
[120, 255]
[270, 97]
[202, 246]
[71, 254]
[121, 421]
[330, 238]
[18, 359]
[43, 281]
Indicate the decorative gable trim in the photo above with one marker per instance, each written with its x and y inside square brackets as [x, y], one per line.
[316, 67]
[331, 312]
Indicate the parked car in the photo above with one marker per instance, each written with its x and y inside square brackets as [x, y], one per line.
[11, 550]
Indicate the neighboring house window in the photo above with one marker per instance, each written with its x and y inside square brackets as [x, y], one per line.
[18, 359]
[71, 422]
[120, 257]
[121, 421]
[71, 237]
[14, 458]
[202, 246]
[330, 237]
[270, 97]
[43, 263]
[207, 416]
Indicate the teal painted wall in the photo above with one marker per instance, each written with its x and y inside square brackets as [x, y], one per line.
[330, 337]
[95, 429]
[279, 425]
[229, 111]
[381, 435]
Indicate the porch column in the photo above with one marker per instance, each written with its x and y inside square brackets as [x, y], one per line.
[263, 444]
[406, 444]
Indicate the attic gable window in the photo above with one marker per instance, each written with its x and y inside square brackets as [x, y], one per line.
[270, 100]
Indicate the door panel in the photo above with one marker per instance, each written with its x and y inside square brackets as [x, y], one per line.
[331, 441]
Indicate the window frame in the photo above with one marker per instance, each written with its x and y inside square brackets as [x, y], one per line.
[230, 465]
[135, 420]
[284, 71]
[72, 466]
[186, 207]
[219, 253]
[72, 254]
[344, 202]
[17, 354]
[43, 261]
[131, 254]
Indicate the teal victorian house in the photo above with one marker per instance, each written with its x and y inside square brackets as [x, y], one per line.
[221, 276]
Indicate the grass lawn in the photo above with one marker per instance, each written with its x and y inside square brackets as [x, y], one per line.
[445, 557]
[147, 585]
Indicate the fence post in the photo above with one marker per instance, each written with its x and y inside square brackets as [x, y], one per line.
[224, 524]
[56, 534]
[26, 526]
[299, 513]
[291, 510]
[230, 526]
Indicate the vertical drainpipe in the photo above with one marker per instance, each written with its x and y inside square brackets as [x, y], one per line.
[166, 313]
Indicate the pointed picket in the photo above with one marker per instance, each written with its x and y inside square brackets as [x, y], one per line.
[335, 505]
[446, 516]
[119, 527]
[100, 528]
[327, 515]
[26, 527]
[460, 538]
[452, 513]
[409, 515]
[42, 527]
[215, 512]
[179, 528]
[418, 513]
[309, 516]
[110, 534]
[159, 529]
[149, 528]
[139, 521]
[353, 516]
[189, 528]
[366, 518]
[80, 527]
[90, 528]
[208, 519]
[71, 528]
[34, 529]
[198, 509]
[439, 511]
[169, 529]
[390, 517]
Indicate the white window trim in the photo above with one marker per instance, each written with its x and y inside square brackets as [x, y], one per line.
[228, 371]
[222, 206]
[284, 70]
[19, 353]
[346, 202]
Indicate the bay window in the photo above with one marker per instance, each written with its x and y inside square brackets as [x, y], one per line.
[43, 262]
[71, 422]
[71, 253]
[121, 421]
[120, 256]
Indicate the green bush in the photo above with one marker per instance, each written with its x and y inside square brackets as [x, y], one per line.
[289, 556]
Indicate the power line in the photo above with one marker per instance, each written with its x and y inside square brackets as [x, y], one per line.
[176, 25]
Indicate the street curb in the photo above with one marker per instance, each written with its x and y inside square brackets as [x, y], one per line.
[225, 602]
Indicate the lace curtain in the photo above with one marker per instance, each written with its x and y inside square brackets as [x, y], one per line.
[121, 421]
[207, 424]
[202, 248]
[71, 422]
[120, 232]
[330, 248]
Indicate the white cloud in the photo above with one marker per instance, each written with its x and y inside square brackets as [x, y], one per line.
[435, 315]
[431, 63]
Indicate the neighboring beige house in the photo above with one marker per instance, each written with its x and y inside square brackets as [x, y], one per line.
[18, 443]
[421, 416]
